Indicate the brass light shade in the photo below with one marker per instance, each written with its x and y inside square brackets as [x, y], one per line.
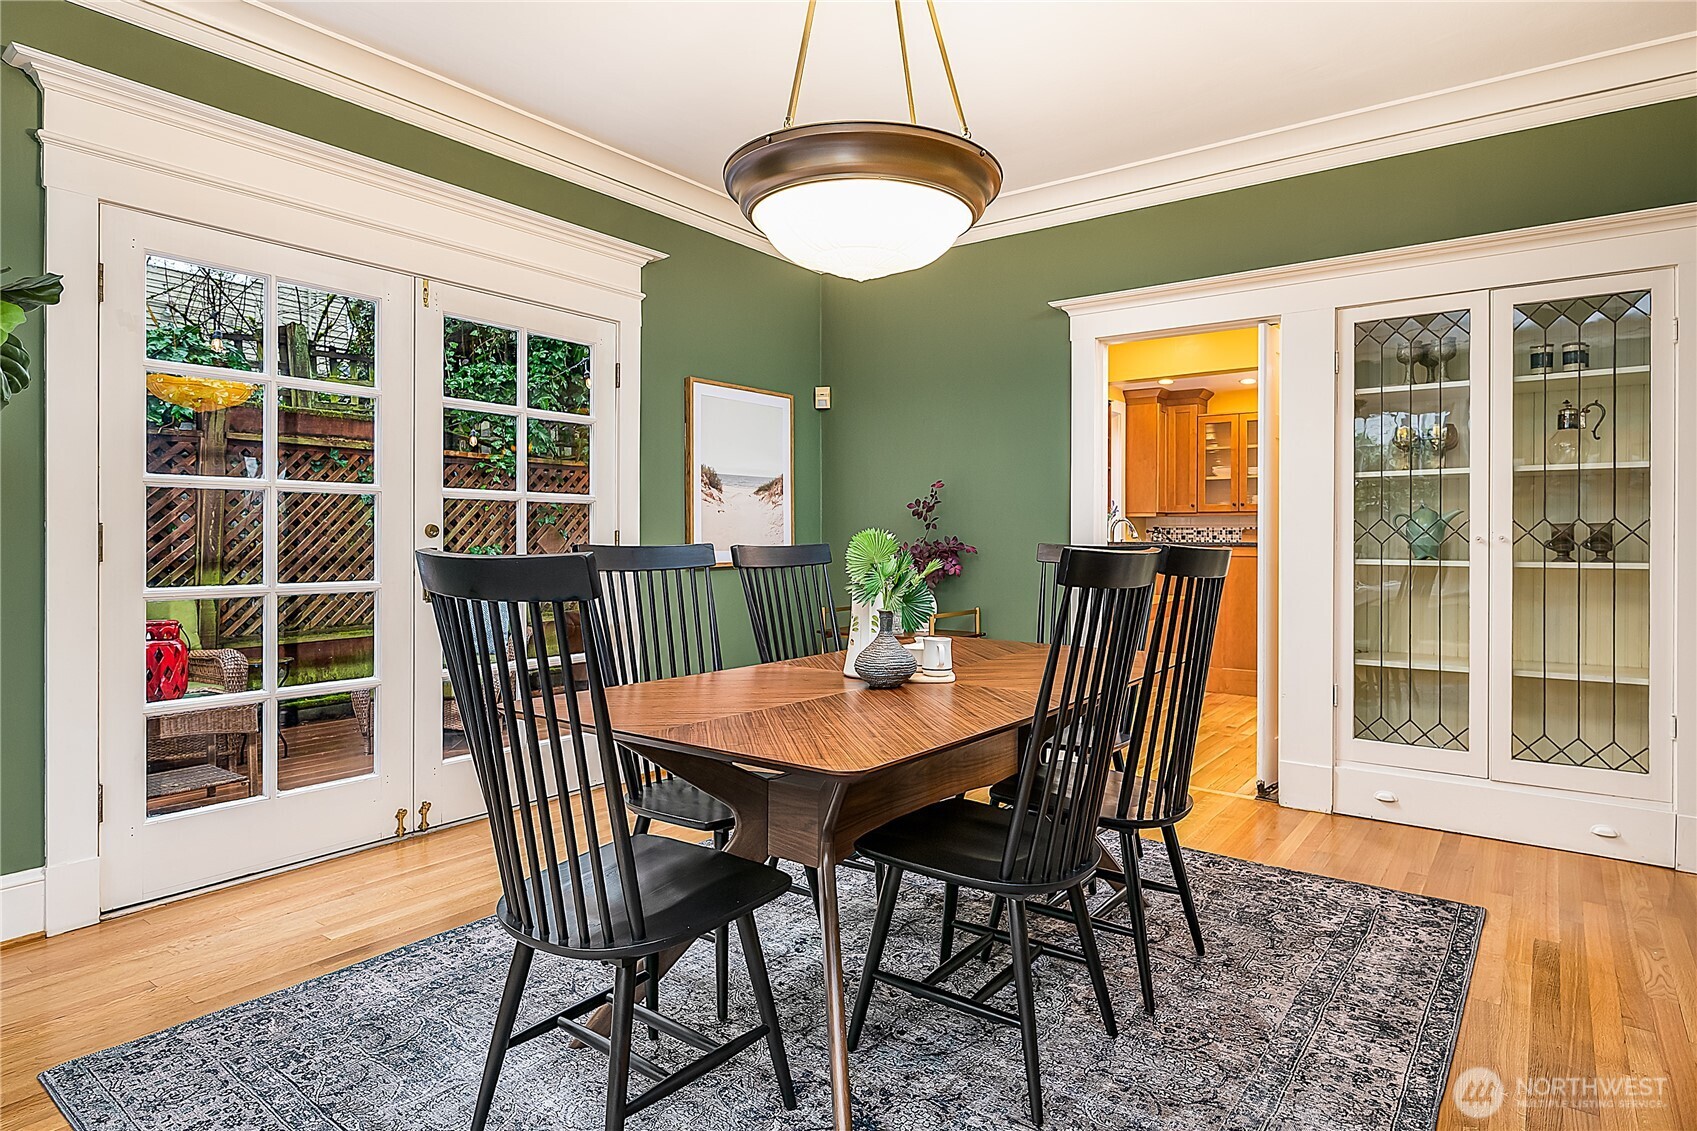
[891, 151]
[864, 199]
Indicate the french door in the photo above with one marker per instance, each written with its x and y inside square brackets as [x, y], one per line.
[255, 634]
[277, 431]
[517, 455]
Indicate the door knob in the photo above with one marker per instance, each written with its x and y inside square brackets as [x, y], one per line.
[431, 530]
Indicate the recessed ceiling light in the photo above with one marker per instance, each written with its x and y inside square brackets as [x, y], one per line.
[1246, 380]
[1164, 381]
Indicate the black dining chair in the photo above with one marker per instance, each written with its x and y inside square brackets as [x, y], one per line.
[788, 589]
[656, 620]
[1150, 785]
[1153, 789]
[575, 882]
[1046, 844]
[1048, 560]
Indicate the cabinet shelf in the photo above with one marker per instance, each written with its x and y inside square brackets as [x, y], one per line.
[1635, 374]
[1644, 566]
[1586, 673]
[1461, 563]
[1431, 387]
[1412, 471]
[1557, 468]
[1445, 665]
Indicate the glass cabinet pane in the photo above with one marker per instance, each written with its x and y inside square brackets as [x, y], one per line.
[1219, 436]
[1251, 461]
[1412, 468]
[1581, 532]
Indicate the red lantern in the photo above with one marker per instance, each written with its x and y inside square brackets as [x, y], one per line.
[167, 661]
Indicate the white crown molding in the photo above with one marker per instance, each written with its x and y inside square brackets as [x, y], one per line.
[269, 40]
[1674, 217]
[112, 119]
[1640, 75]
[250, 32]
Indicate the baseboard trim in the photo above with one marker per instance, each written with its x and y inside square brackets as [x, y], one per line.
[1685, 842]
[1305, 785]
[23, 904]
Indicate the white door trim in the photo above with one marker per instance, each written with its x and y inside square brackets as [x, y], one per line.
[1303, 299]
[109, 140]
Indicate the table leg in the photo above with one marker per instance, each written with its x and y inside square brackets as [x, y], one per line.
[836, 1014]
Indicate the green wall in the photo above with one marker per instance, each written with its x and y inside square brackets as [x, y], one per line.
[961, 371]
[713, 309]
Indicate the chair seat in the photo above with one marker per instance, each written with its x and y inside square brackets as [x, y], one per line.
[1005, 791]
[687, 891]
[960, 842]
[677, 802]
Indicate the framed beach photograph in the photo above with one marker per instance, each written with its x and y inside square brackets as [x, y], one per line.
[740, 456]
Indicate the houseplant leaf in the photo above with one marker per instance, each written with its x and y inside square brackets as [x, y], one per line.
[11, 317]
[27, 294]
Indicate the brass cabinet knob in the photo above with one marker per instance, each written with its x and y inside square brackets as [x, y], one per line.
[431, 530]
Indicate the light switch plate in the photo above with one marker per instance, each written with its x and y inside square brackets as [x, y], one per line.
[822, 396]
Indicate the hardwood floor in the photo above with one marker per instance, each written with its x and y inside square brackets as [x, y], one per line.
[1588, 967]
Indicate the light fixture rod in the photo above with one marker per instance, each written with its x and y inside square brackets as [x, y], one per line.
[948, 71]
[907, 73]
[801, 62]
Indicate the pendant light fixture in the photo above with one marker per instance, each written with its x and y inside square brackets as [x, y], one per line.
[864, 199]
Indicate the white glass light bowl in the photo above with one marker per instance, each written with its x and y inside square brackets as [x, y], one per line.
[862, 228]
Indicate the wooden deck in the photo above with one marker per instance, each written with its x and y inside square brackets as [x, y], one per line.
[1588, 967]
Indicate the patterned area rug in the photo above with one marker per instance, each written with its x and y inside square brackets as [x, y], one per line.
[1320, 1004]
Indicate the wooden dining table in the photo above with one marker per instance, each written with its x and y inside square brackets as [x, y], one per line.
[809, 760]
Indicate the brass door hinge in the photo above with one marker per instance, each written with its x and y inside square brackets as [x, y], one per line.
[100, 282]
[427, 292]
[619, 372]
[99, 542]
[100, 803]
[615, 537]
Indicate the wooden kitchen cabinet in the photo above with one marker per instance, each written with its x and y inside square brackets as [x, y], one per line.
[1160, 455]
[1228, 446]
[1236, 638]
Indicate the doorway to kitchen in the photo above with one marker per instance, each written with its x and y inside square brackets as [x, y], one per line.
[1185, 456]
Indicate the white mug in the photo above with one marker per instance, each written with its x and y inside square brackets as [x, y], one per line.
[939, 654]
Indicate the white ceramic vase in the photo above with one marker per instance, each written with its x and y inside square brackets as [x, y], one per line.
[863, 629]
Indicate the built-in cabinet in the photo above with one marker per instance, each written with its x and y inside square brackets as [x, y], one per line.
[1508, 612]
[1180, 459]
[1228, 462]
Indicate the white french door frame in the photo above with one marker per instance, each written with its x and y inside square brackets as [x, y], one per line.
[1304, 299]
[1472, 761]
[149, 857]
[1656, 785]
[107, 140]
[450, 784]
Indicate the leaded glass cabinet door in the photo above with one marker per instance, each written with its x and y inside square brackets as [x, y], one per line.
[1415, 617]
[1582, 499]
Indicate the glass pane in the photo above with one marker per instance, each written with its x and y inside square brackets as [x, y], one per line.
[1411, 452]
[325, 636]
[1217, 437]
[479, 526]
[191, 434]
[326, 438]
[204, 315]
[204, 757]
[557, 460]
[480, 363]
[201, 537]
[1581, 600]
[556, 375]
[207, 647]
[326, 336]
[554, 528]
[479, 450]
[325, 738]
[325, 537]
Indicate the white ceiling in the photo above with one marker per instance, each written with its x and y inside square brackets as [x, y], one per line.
[1079, 101]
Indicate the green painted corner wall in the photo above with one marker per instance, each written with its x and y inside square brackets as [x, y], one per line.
[961, 371]
[713, 309]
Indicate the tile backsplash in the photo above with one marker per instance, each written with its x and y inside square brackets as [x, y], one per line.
[1204, 535]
